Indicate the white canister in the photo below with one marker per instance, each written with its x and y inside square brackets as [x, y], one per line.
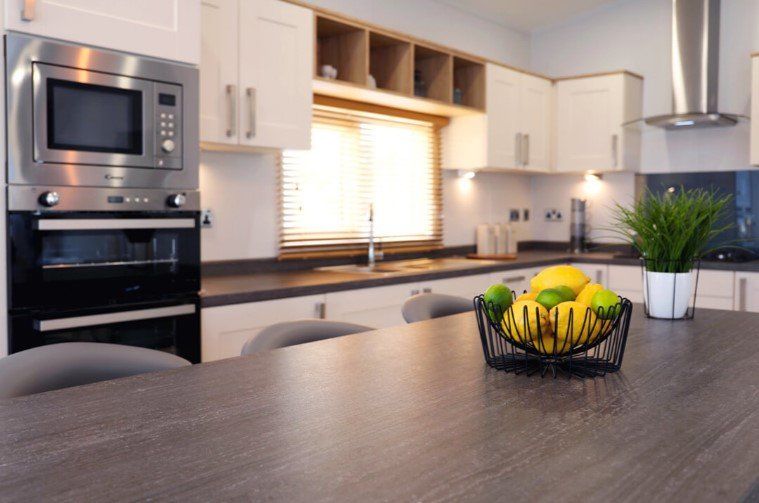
[486, 240]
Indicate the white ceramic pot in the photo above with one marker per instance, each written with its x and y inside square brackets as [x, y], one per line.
[667, 294]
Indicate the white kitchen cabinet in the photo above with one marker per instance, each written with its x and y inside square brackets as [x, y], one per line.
[755, 109]
[598, 273]
[377, 307]
[627, 281]
[167, 29]
[255, 74]
[515, 132]
[589, 117]
[516, 279]
[463, 286]
[225, 329]
[746, 292]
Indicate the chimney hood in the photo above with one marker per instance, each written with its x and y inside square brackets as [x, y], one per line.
[695, 67]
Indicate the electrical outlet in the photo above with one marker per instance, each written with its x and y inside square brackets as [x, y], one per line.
[553, 215]
[526, 214]
[513, 215]
[206, 218]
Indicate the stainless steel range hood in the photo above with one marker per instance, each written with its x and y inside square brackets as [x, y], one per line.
[695, 67]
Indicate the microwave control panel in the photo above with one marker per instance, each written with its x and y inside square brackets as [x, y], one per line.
[168, 126]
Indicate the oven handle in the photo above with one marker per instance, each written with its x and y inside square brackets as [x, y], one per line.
[50, 224]
[108, 318]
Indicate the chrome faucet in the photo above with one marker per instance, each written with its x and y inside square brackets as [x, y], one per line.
[371, 253]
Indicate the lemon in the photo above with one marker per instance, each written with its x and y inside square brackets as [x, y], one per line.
[587, 293]
[547, 343]
[575, 322]
[559, 275]
[527, 296]
[526, 320]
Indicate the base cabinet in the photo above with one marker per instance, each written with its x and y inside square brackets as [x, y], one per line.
[746, 292]
[516, 279]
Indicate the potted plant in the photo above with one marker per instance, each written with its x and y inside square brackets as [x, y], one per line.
[672, 231]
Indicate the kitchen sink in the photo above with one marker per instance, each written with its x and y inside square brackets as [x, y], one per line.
[405, 266]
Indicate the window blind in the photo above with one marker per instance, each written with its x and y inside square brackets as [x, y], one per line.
[360, 160]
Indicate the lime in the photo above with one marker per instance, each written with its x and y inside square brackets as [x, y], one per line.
[550, 297]
[566, 292]
[498, 298]
[605, 304]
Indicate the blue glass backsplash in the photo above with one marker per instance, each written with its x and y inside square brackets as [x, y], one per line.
[743, 185]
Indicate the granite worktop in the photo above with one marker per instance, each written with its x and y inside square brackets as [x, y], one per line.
[239, 287]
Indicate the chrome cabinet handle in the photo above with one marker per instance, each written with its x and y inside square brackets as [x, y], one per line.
[513, 279]
[321, 310]
[232, 110]
[599, 276]
[614, 150]
[427, 290]
[414, 292]
[742, 294]
[518, 149]
[250, 92]
[117, 317]
[526, 150]
[28, 12]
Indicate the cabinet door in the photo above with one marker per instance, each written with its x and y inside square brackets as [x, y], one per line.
[746, 296]
[598, 273]
[225, 329]
[169, 29]
[627, 281]
[464, 286]
[589, 119]
[218, 71]
[276, 68]
[516, 279]
[535, 118]
[378, 307]
[504, 137]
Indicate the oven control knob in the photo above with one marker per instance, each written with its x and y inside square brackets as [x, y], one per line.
[49, 199]
[167, 145]
[176, 200]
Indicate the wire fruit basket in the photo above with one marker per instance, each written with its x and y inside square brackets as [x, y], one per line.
[574, 342]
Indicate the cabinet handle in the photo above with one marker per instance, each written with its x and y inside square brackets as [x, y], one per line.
[518, 149]
[513, 279]
[599, 276]
[27, 13]
[742, 294]
[232, 109]
[526, 150]
[414, 292]
[427, 290]
[614, 150]
[250, 92]
[321, 310]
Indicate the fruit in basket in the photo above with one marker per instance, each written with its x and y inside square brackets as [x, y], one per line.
[566, 292]
[558, 275]
[605, 304]
[525, 320]
[498, 298]
[587, 293]
[527, 296]
[546, 345]
[575, 322]
[549, 298]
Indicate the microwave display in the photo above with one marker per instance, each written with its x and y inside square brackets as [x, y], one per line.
[93, 118]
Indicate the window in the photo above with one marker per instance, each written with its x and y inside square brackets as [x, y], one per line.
[361, 160]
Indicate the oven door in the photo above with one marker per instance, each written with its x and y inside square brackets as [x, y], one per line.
[86, 117]
[171, 326]
[97, 258]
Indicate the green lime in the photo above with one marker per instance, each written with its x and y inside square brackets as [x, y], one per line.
[498, 298]
[605, 304]
[566, 292]
[550, 297]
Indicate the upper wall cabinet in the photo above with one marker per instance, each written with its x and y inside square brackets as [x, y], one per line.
[515, 134]
[591, 111]
[168, 29]
[255, 74]
[755, 109]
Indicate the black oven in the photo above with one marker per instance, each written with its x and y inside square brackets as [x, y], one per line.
[107, 265]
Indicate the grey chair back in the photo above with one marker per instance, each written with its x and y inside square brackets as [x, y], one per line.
[290, 333]
[426, 306]
[67, 364]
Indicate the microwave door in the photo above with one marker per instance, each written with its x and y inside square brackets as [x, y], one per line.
[90, 118]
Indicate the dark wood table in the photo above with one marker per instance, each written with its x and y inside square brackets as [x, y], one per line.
[406, 413]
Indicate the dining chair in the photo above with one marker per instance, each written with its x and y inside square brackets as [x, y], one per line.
[290, 333]
[56, 366]
[426, 306]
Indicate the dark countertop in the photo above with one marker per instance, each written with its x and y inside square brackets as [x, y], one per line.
[409, 413]
[220, 290]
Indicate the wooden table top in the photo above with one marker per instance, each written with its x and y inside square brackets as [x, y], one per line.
[406, 413]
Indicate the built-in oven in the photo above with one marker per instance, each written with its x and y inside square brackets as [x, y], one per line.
[109, 265]
[79, 116]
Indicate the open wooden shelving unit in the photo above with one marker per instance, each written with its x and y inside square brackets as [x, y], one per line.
[409, 74]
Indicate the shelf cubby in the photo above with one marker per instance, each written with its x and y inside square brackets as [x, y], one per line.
[434, 69]
[391, 63]
[344, 46]
[469, 78]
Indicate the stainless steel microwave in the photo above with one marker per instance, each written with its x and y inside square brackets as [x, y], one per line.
[79, 116]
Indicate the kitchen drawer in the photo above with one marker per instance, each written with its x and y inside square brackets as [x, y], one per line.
[626, 278]
[704, 302]
[464, 286]
[716, 284]
[516, 279]
[377, 307]
[598, 273]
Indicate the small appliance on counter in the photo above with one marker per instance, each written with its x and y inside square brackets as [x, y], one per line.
[578, 226]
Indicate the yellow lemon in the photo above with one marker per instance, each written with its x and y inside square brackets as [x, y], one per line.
[547, 343]
[574, 322]
[525, 320]
[558, 275]
[527, 296]
[587, 293]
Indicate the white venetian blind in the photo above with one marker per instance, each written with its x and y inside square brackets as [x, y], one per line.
[358, 159]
